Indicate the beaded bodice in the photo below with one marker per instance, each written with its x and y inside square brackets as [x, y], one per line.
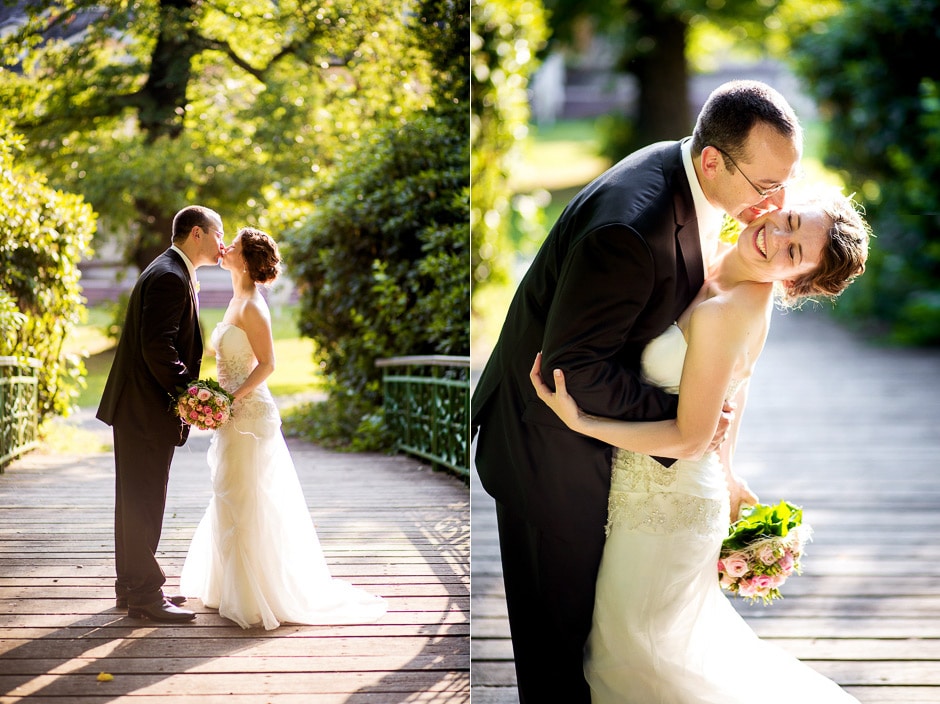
[235, 360]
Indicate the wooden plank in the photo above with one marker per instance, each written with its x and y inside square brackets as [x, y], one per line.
[174, 685]
[856, 649]
[386, 523]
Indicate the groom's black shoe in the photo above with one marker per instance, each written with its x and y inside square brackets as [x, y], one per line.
[162, 610]
[120, 602]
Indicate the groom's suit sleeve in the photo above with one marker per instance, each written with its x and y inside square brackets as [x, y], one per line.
[606, 282]
[163, 308]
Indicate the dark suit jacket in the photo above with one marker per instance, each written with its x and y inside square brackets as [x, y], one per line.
[159, 352]
[619, 266]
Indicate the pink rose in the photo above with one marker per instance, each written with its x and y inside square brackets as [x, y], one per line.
[762, 582]
[736, 565]
[204, 394]
[192, 390]
[786, 562]
[193, 415]
[766, 554]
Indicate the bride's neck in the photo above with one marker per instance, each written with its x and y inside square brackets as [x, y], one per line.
[728, 270]
[242, 286]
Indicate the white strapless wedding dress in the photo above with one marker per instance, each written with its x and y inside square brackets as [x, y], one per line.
[255, 555]
[663, 631]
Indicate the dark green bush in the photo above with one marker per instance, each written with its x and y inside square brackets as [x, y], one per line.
[382, 263]
[43, 235]
[875, 75]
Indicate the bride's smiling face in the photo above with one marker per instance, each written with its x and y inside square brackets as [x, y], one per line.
[785, 244]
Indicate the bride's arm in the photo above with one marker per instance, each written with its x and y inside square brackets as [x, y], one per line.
[717, 337]
[257, 327]
[740, 493]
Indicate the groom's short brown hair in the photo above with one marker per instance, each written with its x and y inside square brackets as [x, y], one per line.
[734, 108]
[189, 217]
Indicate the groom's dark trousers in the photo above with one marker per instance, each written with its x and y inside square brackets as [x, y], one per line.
[142, 471]
[160, 351]
[619, 266]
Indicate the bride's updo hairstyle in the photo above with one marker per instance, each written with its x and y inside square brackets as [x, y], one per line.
[842, 260]
[262, 259]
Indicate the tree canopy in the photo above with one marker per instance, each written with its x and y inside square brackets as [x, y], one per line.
[144, 106]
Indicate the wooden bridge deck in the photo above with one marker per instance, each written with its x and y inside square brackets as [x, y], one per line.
[386, 523]
[850, 431]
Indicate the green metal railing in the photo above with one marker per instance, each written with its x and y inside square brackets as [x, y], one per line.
[427, 407]
[19, 411]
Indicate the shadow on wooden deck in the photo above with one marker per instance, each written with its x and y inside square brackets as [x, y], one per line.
[850, 431]
[386, 523]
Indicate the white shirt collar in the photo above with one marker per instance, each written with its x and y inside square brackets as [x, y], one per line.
[189, 264]
[709, 217]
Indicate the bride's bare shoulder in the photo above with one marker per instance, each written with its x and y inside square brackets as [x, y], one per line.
[735, 313]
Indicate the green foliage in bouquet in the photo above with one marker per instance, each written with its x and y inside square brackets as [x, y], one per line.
[763, 521]
[762, 550]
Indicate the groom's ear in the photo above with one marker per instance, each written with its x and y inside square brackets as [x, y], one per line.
[710, 157]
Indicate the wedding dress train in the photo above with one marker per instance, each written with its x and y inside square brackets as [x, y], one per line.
[255, 555]
[663, 631]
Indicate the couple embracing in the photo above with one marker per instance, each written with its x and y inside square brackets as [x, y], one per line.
[255, 556]
[608, 412]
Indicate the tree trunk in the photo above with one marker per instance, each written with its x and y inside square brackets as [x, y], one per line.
[163, 97]
[162, 103]
[153, 233]
[662, 73]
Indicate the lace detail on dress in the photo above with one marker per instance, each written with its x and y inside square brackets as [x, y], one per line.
[235, 360]
[643, 497]
[635, 472]
[665, 513]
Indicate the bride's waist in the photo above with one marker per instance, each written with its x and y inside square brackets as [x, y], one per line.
[232, 384]
[636, 473]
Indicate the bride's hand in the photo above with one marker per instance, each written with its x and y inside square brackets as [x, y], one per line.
[560, 402]
[741, 496]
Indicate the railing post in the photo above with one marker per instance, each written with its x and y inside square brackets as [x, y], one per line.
[19, 407]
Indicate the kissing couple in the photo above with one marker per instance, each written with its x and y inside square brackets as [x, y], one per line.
[255, 556]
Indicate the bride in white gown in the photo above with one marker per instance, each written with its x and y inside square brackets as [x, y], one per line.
[663, 632]
[255, 555]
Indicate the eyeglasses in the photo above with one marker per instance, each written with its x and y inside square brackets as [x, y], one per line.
[763, 192]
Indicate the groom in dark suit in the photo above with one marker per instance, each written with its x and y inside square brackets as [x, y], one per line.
[625, 258]
[159, 352]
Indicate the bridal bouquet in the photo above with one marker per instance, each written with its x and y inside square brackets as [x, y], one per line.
[205, 405]
[763, 548]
